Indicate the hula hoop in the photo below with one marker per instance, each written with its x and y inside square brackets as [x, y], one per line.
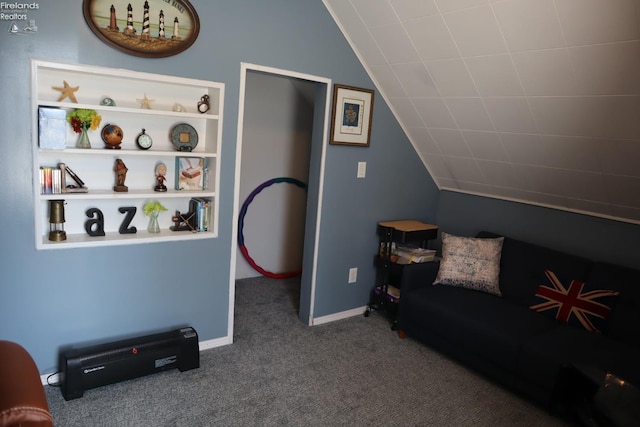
[243, 212]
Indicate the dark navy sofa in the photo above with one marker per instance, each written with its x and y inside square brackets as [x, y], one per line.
[501, 337]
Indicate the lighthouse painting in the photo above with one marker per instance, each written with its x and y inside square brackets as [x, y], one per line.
[137, 27]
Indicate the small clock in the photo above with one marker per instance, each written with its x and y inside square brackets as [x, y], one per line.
[143, 140]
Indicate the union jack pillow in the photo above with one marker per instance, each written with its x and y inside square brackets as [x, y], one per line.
[574, 302]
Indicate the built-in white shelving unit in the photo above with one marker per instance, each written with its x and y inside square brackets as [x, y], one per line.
[95, 166]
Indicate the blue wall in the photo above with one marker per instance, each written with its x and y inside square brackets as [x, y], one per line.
[49, 299]
[596, 238]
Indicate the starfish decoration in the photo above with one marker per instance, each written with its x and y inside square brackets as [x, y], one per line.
[145, 102]
[67, 92]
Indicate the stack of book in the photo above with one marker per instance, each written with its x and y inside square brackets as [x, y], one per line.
[50, 180]
[413, 255]
[202, 210]
[53, 180]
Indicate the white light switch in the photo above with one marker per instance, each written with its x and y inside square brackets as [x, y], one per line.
[362, 169]
[353, 275]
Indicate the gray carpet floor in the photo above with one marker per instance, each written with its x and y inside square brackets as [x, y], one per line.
[279, 372]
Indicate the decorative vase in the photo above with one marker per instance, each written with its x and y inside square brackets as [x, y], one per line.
[154, 227]
[83, 139]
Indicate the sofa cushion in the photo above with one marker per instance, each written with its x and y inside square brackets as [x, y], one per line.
[491, 327]
[574, 302]
[624, 321]
[470, 263]
[522, 267]
[543, 355]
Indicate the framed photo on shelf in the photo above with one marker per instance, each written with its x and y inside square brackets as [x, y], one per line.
[351, 116]
[190, 173]
[151, 28]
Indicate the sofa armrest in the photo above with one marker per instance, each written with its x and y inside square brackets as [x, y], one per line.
[418, 275]
[22, 398]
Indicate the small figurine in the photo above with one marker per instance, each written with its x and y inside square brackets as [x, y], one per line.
[203, 104]
[161, 171]
[121, 175]
[145, 103]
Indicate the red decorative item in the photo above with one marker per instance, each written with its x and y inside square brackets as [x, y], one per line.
[573, 304]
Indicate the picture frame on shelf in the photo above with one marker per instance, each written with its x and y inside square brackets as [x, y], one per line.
[150, 29]
[351, 115]
[190, 173]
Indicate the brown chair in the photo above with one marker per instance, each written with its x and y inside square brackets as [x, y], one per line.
[22, 398]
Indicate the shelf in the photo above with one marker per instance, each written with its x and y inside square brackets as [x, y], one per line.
[137, 111]
[136, 194]
[95, 166]
[113, 238]
[117, 153]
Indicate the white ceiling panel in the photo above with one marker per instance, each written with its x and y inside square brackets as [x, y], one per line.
[485, 145]
[423, 140]
[501, 174]
[450, 142]
[495, 75]
[404, 107]
[597, 21]
[432, 38]
[600, 117]
[452, 5]
[469, 113]
[375, 13]
[607, 69]
[546, 72]
[434, 112]
[511, 115]
[618, 190]
[521, 21]
[529, 100]
[464, 169]
[385, 76]
[452, 78]
[408, 10]
[438, 168]
[415, 79]
[395, 44]
[476, 31]
[620, 157]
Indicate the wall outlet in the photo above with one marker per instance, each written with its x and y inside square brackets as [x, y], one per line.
[362, 169]
[353, 275]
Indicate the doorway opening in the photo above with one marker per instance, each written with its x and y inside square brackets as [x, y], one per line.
[281, 134]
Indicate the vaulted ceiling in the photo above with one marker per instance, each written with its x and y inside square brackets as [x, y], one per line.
[536, 101]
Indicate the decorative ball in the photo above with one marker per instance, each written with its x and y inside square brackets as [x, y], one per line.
[112, 135]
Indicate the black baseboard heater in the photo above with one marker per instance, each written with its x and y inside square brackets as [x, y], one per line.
[98, 365]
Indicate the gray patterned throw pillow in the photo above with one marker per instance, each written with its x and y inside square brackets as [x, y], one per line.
[470, 263]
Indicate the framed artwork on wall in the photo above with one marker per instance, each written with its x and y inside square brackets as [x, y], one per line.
[351, 115]
[147, 28]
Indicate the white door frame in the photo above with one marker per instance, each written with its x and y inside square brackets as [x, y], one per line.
[245, 67]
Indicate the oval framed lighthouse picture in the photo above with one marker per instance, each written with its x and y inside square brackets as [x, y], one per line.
[147, 28]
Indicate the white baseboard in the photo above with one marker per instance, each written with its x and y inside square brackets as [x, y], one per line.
[202, 345]
[339, 316]
[217, 342]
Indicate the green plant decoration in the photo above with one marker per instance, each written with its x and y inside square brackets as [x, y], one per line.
[151, 207]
